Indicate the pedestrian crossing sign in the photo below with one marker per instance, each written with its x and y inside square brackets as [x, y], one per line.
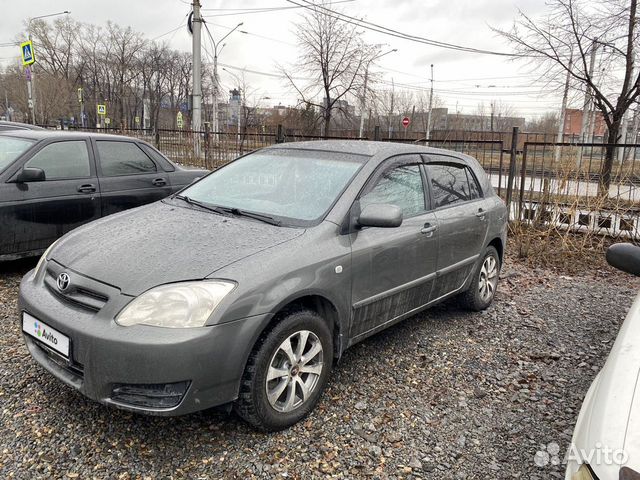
[28, 55]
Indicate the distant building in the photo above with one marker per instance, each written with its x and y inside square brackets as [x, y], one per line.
[441, 119]
[573, 123]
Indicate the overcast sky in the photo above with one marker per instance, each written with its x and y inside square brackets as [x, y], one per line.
[461, 79]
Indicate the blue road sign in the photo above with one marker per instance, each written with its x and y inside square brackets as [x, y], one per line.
[28, 56]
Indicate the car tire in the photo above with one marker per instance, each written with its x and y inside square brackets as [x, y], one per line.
[268, 404]
[484, 283]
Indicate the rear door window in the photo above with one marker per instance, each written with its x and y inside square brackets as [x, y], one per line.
[68, 159]
[123, 158]
[449, 184]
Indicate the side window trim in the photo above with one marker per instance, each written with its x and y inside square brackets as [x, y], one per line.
[471, 177]
[101, 173]
[92, 163]
[169, 167]
[390, 163]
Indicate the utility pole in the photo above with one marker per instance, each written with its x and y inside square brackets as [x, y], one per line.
[31, 101]
[31, 92]
[215, 95]
[587, 102]
[81, 101]
[563, 109]
[363, 105]
[196, 119]
[362, 100]
[393, 94]
[6, 103]
[428, 133]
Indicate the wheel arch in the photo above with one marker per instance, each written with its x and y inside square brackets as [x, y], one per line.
[498, 245]
[319, 304]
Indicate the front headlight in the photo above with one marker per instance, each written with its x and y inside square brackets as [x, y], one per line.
[176, 305]
[583, 473]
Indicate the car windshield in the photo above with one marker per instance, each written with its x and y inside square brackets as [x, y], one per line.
[11, 148]
[295, 186]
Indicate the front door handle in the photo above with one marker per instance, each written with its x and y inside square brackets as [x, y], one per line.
[159, 182]
[428, 229]
[87, 188]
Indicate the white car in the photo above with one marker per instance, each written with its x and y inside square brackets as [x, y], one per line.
[606, 440]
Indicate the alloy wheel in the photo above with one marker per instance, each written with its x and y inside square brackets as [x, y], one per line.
[488, 278]
[294, 371]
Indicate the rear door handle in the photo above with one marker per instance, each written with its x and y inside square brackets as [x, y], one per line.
[428, 229]
[159, 182]
[481, 214]
[87, 188]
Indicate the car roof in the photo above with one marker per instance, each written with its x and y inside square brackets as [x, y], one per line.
[19, 126]
[47, 134]
[365, 147]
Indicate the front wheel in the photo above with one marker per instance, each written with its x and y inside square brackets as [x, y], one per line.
[286, 372]
[484, 283]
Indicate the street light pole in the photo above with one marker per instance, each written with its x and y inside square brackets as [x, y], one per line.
[31, 92]
[196, 119]
[364, 90]
[216, 79]
[240, 101]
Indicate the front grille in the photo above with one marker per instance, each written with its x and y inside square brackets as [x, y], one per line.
[79, 294]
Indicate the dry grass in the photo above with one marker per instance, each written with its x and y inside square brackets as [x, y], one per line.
[565, 252]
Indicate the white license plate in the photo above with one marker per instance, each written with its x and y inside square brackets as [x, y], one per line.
[51, 337]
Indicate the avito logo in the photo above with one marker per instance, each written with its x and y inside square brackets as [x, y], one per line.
[42, 333]
[49, 336]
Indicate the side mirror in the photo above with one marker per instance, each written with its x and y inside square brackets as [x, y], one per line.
[31, 174]
[380, 215]
[625, 257]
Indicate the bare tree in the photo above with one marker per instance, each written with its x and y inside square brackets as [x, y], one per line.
[334, 55]
[547, 123]
[580, 26]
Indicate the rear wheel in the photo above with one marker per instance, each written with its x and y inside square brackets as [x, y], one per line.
[286, 372]
[485, 282]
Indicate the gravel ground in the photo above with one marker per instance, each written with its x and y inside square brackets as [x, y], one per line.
[446, 394]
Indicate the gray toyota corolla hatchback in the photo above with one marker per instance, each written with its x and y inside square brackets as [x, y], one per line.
[246, 286]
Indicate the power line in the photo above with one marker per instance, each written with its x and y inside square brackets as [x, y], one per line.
[242, 11]
[395, 33]
[173, 29]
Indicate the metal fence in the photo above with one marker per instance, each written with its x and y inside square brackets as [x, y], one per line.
[562, 185]
[543, 182]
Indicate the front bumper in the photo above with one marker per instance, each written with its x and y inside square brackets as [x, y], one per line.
[105, 356]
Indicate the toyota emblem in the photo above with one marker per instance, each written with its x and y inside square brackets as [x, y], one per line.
[63, 281]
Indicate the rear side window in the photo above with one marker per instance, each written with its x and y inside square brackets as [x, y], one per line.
[400, 186]
[59, 160]
[159, 159]
[450, 184]
[474, 188]
[123, 158]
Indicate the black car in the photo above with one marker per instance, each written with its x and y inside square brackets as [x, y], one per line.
[52, 182]
[6, 125]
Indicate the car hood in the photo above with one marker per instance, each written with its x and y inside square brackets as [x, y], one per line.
[163, 243]
[611, 412]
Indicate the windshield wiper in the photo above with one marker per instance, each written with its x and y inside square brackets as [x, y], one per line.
[211, 208]
[254, 215]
